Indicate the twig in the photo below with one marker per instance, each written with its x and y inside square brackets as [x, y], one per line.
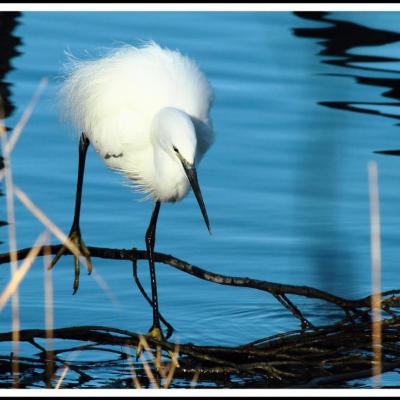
[266, 286]
[312, 360]
[305, 324]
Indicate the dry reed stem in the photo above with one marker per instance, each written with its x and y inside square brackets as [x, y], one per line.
[66, 368]
[195, 379]
[148, 372]
[49, 315]
[106, 289]
[2, 127]
[173, 365]
[376, 274]
[155, 360]
[175, 355]
[16, 132]
[12, 243]
[135, 379]
[2, 132]
[20, 273]
[143, 343]
[63, 374]
[53, 228]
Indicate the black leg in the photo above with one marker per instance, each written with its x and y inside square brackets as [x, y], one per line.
[150, 241]
[83, 146]
[75, 233]
[169, 327]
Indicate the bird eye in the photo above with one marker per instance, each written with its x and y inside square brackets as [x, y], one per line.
[175, 149]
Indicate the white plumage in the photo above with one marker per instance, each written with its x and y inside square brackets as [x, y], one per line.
[145, 110]
[136, 105]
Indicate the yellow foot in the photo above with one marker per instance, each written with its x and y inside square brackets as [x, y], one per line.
[154, 333]
[75, 238]
[157, 334]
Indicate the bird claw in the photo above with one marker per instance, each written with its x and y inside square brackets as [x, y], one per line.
[155, 333]
[75, 238]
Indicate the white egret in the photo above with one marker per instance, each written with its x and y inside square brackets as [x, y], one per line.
[145, 110]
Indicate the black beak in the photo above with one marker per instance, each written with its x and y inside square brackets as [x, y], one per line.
[191, 174]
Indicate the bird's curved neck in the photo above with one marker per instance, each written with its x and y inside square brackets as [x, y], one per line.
[170, 182]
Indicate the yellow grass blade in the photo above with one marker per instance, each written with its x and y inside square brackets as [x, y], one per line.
[2, 132]
[48, 291]
[2, 127]
[173, 365]
[48, 314]
[376, 274]
[156, 360]
[149, 374]
[135, 379]
[16, 132]
[195, 379]
[27, 202]
[63, 374]
[106, 289]
[71, 357]
[6, 172]
[12, 244]
[146, 367]
[20, 273]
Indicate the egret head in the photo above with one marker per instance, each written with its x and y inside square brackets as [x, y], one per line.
[173, 129]
[174, 132]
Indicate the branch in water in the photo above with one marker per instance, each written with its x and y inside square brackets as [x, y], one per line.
[276, 289]
[311, 357]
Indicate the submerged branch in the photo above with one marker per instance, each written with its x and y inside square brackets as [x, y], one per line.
[314, 356]
[276, 289]
[332, 355]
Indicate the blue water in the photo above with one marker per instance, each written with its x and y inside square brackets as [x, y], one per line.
[285, 184]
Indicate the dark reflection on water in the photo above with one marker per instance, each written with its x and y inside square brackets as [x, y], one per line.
[324, 243]
[337, 41]
[8, 50]
[341, 37]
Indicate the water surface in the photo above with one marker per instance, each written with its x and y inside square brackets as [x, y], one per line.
[301, 103]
